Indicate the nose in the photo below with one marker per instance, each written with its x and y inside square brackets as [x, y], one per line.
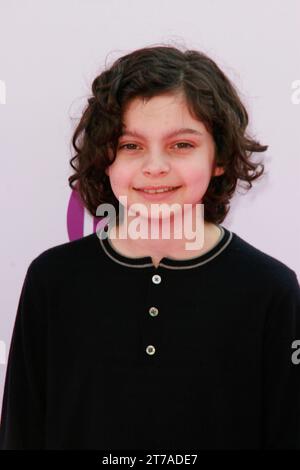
[155, 165]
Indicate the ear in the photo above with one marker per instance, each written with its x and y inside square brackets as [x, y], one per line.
[107, 171]
[218, 171]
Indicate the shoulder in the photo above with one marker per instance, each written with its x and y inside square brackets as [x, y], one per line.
[65, 257]
[259, 267]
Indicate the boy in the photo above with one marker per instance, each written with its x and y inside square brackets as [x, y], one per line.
[140, 343]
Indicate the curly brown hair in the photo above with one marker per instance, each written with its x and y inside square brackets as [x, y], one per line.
[151, 71]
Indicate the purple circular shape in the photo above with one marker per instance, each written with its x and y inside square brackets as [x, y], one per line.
[75, 218]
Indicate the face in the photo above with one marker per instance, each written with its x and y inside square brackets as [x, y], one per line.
[149, 156]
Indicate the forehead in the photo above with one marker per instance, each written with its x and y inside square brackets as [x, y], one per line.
[165, 103]
[168, 111]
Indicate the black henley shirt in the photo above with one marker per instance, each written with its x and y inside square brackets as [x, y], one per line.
[110, 352]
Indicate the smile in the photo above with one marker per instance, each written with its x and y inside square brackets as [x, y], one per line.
[159, 194]
[154, 191]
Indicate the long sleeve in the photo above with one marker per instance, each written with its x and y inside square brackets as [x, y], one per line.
[281, 370]
[23, 408]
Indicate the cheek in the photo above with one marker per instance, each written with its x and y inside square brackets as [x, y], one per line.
[120, 179]
[198, 176]
[197, 182]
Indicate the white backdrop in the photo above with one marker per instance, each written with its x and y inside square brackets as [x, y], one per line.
[50, 51]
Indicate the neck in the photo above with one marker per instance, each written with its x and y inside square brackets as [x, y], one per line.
[158, 239]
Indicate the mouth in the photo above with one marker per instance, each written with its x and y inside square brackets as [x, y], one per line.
[157, 190]
[157, 194]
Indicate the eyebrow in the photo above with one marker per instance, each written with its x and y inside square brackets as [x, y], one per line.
[175, 132]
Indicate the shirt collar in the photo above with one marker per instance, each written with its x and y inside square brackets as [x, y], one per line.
[166, 262]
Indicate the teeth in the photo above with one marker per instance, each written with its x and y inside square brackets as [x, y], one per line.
[153, 191]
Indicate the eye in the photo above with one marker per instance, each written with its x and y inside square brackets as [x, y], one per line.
[125, 145]
[184, 143]
[179, 143]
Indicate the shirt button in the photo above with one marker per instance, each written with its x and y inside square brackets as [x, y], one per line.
[150, 349]
[153, 311]
[156, 279]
